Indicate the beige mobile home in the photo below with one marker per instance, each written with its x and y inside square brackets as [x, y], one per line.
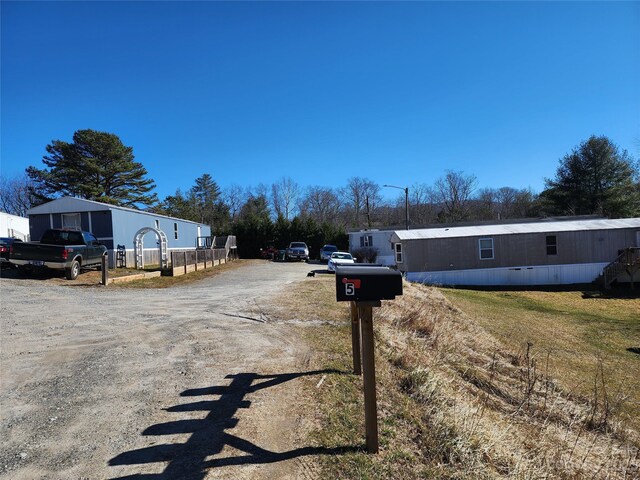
[536, 253]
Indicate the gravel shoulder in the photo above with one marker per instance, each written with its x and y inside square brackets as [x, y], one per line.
[189, 382]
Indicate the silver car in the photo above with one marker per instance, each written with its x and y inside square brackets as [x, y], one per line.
[326, 251]
[297, 251]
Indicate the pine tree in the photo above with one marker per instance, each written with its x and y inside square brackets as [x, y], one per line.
[96, 166]
[596, 178]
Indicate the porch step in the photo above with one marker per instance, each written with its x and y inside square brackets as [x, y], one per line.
[628, 262]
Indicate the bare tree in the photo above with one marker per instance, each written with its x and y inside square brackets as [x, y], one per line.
[235, 197]
[321, 204]
[526, 203]
[284, 196]
[454, 192]
[486, 204]
[422, 204]
[363, 197]
[505, 198]
[260, 190]
[16, 195]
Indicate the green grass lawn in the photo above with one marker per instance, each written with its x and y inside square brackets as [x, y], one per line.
[576, 330]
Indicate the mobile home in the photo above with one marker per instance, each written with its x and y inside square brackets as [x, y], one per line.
[534, 253]
[114, 225]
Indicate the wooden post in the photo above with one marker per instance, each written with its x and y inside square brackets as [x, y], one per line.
[104, 267]
[365, 311]
[185, 262]
[355, 339]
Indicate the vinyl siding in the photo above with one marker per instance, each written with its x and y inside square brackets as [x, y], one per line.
[536, 275]
[126, 224]
[101, 224]
[381, 242]
[515, 250]
[84, 221]
[115, 225]
[38, 224]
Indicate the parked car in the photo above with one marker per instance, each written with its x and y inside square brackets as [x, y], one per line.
[326, 251]
[59, 249]
[5, 249]
[297, 251]
[269, 253]
[339, 258]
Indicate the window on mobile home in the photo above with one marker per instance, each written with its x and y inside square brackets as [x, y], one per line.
[71, 220]
[552, 245]
[486, 248]
[366, 241]
[398, 251]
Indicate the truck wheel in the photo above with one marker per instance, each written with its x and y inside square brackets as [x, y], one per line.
[72, 272]
[23, 271]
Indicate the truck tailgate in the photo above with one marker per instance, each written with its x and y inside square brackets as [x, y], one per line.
[38, 252]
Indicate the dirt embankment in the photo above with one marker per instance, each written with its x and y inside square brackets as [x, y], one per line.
[186, 382]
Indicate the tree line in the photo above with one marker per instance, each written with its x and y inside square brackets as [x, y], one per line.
[596, 177]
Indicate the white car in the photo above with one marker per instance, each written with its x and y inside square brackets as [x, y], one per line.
[339, 258]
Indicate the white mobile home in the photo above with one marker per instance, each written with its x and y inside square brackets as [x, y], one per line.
[13, 226]
[376, 240]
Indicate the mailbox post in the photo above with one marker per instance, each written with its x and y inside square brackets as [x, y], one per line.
[364, 287]
[355, 339]
[104, 266]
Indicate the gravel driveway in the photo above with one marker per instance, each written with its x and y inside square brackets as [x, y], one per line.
[189, 382]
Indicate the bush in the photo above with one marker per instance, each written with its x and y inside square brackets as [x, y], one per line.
[366, 255]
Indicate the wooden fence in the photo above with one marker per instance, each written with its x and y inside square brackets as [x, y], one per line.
[194, 260]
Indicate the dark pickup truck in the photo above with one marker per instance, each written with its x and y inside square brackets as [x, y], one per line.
[59, 249]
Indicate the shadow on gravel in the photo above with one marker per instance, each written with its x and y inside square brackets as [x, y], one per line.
[16, 274]
[189, 460]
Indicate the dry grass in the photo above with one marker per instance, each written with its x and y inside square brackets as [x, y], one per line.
[312, 299]
[454, 402]
[584, 335]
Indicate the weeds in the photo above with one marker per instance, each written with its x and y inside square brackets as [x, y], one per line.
[456, 403]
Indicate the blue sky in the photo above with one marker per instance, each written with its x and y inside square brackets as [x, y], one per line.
[250, 92]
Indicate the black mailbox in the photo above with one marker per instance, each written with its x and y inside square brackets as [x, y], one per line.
[365, 284]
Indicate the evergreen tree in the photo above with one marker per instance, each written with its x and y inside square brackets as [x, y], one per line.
[596, 178]
[204, 195]
[178, 206]
[96, 166]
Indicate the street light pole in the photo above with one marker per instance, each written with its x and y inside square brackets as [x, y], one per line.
[406, 203]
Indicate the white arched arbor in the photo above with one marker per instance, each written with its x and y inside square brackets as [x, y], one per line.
[139, 246]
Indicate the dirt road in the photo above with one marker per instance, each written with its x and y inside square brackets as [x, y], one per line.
[191, 382]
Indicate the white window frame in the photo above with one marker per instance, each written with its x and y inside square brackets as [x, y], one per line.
[366, 241]
[397, 250]
[77, 226]
[480, 249]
